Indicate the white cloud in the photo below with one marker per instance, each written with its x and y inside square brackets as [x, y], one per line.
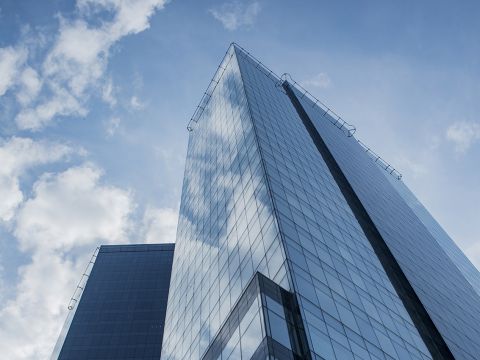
[11, 60]
[73, 209]
[463, 134]
[321, 80]
[69, 214]
[30, 85]
[160, 225]
[130, 17]
[235, 14]
[62, 102]
[29, 322]
[136, 104]
[108, 93]
[112, 125]
[17, 155]
[77, 61]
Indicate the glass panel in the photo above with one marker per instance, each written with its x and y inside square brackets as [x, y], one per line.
[279, 329]
[251, 337]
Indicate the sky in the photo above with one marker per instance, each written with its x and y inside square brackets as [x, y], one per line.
[95, 96]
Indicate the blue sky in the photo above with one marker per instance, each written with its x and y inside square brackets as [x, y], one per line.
[95, 96]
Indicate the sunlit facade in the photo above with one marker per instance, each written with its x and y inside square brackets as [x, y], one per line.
[293, 244]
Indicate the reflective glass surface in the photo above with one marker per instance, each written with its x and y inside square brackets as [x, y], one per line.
[451, 249]
[121, 313]
[227, 230]
[442, 277]
[350, 309]
[258, 196]
[265, 321]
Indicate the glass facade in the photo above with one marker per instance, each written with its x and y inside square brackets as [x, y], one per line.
[451, 249]
[273, 190]
[348, 304]
[265, 321]
[121, 313]
[442, 277]
[227, 230]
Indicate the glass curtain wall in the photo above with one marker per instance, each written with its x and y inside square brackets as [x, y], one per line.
[227, 230]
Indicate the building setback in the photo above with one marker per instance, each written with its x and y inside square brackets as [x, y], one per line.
[297, 242]
[121, 313]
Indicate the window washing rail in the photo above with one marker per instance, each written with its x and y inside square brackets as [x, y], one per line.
[83, 281]
[334, 118]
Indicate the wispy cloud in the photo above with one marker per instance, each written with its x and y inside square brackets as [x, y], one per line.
[136, 103]
[75, 63]
[236, 14]
[17, 156]
[463, 134]
[321, 80]
[108, 93]
[112, 125]
[30, 85]
[11, 61]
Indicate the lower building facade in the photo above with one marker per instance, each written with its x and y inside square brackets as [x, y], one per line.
[121, 313]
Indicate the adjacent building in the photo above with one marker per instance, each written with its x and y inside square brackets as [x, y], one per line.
[121, 313]
[295, 241]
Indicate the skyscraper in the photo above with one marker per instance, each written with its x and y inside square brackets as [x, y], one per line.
[296, 241]
[121, 313]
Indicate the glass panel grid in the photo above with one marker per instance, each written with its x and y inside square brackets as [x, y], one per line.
[226, 229]
[121, 313]
[339, 281]
[258, 196]
[442, 277]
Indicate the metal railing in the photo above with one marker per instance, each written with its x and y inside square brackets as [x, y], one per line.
[83, 281]
[347, 128]
[380, 161]
[258, 64]
[340, 123]
[211, 87]
[333, 117]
